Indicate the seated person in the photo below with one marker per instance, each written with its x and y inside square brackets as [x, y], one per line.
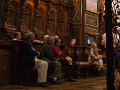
[17, 36]
[65, 61]
[45, 37]
[95, 59]
[56, 36]
[73, 41]
[28, 59]
[37, 40]
[54, 65]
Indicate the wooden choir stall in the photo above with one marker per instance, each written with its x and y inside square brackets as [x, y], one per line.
[66, 18]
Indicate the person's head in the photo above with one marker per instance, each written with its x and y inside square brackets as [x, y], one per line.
[45, 37]
[56, 36]
[93, 45]
[17, 35]
[50, 40]
[57, 42]
[30, 36]
[73, 41]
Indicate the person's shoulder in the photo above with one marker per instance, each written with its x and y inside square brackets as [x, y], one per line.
[46, 45]
[53, 46]
[25, 42]
[104, 34]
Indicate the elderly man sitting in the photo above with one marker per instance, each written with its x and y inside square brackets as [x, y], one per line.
[28, 59]
[54, 65]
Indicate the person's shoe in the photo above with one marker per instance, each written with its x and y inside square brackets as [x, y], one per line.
[71, 80]
[57, 82]
[99, 74]
[42, 84]
[102, 70]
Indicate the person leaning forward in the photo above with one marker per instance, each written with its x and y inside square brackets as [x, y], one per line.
[28, 59]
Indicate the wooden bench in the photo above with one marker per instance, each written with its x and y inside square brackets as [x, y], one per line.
[85, 69]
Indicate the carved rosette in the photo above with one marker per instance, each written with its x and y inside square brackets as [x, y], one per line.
[39, 22]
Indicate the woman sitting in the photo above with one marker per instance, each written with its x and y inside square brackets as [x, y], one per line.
[95, 59]
[65, 61]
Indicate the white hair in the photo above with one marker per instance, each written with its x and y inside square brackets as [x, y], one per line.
[29, 35]
[73, 40]
[46, 36]
[49, 39]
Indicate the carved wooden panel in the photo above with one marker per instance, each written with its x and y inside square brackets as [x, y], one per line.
[4, 67]
[40, 16]
[1, 10]
[62, 23]
[91, 20]
[51, 21]
[77, 13]
[40, 19]
[26, 17]
[11, 15]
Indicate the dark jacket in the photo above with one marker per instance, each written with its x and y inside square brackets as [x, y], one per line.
[27, 55]
[46, 52]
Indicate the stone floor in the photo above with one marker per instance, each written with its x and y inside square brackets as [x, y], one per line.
[89, 83]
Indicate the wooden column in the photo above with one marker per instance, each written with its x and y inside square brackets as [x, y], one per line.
[109, 46]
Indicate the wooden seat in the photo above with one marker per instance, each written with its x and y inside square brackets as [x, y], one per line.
[83, 68]
[25, 76]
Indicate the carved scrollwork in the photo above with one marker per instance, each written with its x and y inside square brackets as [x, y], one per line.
[69, 22]
[26, 17]
[11, 15]
[61, 23]
[39, 22]
[51, 14]
[56, 1]
[51, 21]
[66, 2]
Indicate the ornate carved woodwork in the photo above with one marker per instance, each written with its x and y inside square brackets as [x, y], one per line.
[61, 23]
[26, 21]
[51, 21]
[39, 16]
[11, 15]
[1, 14]
[86, 22]
[5, 67]
[40, 20]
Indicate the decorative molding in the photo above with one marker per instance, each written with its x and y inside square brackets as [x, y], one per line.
[91, 31]
[11, 15]
[51, 21]
[26, 17]
[39, 21]
[61, 23]
[77, 14]
[91, 20]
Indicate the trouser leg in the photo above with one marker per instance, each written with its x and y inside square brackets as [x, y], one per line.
[68, 70]
[56, 67]
[42, 67]
[100, 64]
